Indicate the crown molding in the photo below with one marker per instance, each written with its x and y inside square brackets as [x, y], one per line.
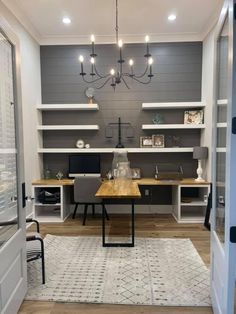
[110, 39]
[23, 19]
[211, 23]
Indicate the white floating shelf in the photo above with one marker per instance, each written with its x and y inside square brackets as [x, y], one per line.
[172, 126]
[68, 127]
[46, 205]
[68, 107]
[221, 150]
[173, 105]
[222, 125]
[191, 219]
[194, 203]
[222, 102]
[111, 150]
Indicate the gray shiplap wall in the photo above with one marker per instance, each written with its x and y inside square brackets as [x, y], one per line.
[177, 68]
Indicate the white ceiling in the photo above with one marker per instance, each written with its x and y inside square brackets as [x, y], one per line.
[43, 19]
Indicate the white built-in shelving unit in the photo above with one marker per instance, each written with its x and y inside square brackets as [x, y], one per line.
[190, 209]
[48, 212]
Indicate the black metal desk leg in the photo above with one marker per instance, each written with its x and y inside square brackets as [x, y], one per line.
[103, 224]
[132, 222]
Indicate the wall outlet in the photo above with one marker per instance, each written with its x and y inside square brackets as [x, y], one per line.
[146, 192]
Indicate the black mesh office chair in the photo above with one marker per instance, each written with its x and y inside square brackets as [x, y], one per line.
[85, 189]
[34, 244]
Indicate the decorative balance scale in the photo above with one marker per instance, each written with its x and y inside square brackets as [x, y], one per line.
[119, 125]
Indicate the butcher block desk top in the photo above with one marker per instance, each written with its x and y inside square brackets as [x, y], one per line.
[121, 189]
[143, 181]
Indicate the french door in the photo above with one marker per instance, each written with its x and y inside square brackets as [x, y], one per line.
[12, 236]
[223, 219]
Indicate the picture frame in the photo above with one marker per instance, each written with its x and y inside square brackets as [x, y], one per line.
[158, 140]
[146, 141]
[136, 173]
[193, 117]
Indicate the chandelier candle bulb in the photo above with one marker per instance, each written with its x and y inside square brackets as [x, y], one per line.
[93, 50]
[150, 62]
[147, 55]
[131, 63]
[92, 60]
[81, 59]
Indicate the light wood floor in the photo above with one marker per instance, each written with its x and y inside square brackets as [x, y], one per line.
[159, 226]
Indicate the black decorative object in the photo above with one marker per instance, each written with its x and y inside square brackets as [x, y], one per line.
[119, 125]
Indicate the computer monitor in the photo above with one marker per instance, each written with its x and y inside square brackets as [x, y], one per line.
[84, 165]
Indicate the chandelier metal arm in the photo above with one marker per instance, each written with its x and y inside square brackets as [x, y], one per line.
[98, 74]
[147, 82]
[104, 83]
[92, 81]
[125, 82]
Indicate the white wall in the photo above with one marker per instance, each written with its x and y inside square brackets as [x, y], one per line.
[207, 95]
[31, 94]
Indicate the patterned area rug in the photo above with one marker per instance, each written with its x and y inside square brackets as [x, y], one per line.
[155, 272]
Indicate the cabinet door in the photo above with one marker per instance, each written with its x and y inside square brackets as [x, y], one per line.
[12, 236]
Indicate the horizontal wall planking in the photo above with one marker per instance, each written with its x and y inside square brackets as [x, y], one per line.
[68, 107]
[172, 126]
[112, 150]
[173, 105]
[68, 127]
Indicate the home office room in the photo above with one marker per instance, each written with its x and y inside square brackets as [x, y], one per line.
[117, 144]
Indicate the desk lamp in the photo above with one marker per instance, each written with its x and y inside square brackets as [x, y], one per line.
[200, 153]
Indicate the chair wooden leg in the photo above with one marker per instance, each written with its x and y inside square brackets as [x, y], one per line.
[93, 209]
[76, 206]
[85, 213]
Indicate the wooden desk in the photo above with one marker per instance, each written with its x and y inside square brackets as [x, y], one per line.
[109, 190]
[120, 189]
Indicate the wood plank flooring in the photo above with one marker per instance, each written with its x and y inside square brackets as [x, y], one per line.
[158, 226]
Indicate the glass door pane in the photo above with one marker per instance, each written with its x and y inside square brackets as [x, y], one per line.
[8, 171]
[221, 126]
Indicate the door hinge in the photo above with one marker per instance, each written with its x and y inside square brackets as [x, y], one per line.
[234, 125]
[232, 235]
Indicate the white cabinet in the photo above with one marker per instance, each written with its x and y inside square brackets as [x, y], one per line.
[189, 203]
[49, 211]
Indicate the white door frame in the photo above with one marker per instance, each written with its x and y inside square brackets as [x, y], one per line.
[13, 253]
[223, 258]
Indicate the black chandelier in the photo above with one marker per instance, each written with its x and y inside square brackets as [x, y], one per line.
[116, 76]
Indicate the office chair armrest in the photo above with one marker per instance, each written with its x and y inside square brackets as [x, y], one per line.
[31, 238]
[28, 220]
